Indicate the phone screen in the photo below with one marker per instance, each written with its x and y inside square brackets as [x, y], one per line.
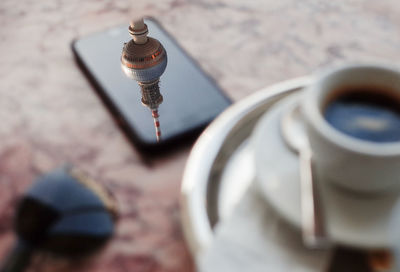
[190, 98]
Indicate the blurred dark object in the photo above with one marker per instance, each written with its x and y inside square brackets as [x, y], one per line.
[349, 260]
[64, 212]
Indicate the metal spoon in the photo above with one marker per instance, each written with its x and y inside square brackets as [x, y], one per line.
[65, 213]
[293, 131]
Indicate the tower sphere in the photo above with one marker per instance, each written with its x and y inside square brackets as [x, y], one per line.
[144, 62]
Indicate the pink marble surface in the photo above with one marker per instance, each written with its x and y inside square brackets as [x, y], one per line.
[50, 115]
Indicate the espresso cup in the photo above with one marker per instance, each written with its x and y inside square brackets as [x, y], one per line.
[352, 116]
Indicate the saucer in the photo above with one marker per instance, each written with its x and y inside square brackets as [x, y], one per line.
[352, 219]
[220, 167]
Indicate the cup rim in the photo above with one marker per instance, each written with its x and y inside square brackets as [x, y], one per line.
[317, 121]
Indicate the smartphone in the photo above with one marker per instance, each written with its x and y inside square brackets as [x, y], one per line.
[191, 98]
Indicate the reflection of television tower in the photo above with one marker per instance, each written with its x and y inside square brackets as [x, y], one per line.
[144, 59]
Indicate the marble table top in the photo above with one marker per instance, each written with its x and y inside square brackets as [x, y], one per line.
[50, 115]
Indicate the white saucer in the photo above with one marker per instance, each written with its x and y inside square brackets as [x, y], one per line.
[351, 219]
[220, 167]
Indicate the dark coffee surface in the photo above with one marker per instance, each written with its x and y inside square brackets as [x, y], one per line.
[368, 114]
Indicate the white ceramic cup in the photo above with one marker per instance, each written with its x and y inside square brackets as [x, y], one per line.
[344, 160]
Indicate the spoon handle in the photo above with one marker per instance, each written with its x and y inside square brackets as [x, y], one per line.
[313, 229]
[18, 259]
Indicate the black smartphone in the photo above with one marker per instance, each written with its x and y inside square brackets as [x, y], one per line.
[191, 98]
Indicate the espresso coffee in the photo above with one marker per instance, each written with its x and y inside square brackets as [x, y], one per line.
[370, 114]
